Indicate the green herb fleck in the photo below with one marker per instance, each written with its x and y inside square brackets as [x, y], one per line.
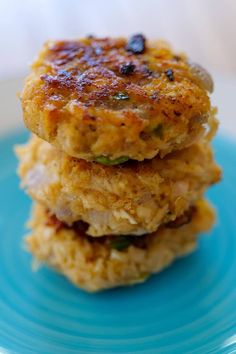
[159, 131]
[121, 96]
[104, 160]
[120, 243]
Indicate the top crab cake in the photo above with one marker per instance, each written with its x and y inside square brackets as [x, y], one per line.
[109, 100]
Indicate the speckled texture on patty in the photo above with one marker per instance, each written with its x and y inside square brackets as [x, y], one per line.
[114, 98]
[93, 264]
[132, 198]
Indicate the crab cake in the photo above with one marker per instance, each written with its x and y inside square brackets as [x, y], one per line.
[132, 198]
[96, 264]
[109, 100]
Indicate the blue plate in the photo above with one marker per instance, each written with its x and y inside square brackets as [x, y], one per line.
[189, 308]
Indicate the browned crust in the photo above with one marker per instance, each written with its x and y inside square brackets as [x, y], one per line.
[132, 198]
[95, 265]
[75, 83]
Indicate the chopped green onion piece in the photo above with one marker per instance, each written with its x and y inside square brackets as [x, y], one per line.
[159, 130]
[104, 160]
[120, 243]
[120, 96]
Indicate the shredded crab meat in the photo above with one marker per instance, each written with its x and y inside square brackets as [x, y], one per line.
[37, 177]
[180, 188]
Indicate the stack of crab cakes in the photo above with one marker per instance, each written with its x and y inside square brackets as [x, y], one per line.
[119, 158]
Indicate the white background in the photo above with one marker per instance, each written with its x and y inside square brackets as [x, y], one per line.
[205, 29]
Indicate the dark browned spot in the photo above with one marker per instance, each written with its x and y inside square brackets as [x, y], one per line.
[177, 113]
[63, 79]
[127, 69]
[80, 227]
[136, 44]
[170, 74]
[182, 219]
[64, 52]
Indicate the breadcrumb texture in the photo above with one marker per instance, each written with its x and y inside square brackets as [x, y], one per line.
[132, 198]
[94, 265]
[81, 97]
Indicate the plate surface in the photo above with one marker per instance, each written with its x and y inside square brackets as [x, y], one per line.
[188, 308]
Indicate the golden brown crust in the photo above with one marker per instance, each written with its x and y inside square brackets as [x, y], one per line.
[93, 264]
[133, 198]
[93, 97]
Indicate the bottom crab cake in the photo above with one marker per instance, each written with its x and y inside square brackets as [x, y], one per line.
[99, 263]
[132, 198]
